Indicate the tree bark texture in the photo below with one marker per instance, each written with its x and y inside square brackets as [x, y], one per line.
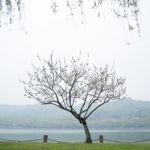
[87, 133]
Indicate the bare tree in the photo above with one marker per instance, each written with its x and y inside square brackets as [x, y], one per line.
[74, 86]
[126, 9]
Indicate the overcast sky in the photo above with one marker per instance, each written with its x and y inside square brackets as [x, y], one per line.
[106, 40]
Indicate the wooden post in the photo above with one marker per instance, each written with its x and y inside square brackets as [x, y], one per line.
[101, 139]
[45, 138]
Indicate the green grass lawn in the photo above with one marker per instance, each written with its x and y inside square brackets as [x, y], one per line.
[41, 146]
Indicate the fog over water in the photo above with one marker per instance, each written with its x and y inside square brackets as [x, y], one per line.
[74, 135]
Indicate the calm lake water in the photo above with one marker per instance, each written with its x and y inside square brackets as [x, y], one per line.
[74, 135]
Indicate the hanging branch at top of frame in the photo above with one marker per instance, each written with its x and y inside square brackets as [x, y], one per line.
[10, 10]
[122, 9]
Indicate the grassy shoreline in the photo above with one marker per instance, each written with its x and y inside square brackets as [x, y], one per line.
[49, 146]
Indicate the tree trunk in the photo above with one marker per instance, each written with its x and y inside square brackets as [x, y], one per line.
[87, 132]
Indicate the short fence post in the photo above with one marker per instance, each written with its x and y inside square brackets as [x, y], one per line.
[45, 138]
[101, 139]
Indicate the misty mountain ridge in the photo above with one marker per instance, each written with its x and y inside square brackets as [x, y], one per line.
[121, 114]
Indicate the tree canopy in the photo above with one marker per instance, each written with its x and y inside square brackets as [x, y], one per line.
[126, 9]
[74, 86]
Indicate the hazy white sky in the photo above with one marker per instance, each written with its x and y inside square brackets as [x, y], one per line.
[104, 39]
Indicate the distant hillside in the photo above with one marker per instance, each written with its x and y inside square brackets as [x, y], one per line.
[115, 115]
